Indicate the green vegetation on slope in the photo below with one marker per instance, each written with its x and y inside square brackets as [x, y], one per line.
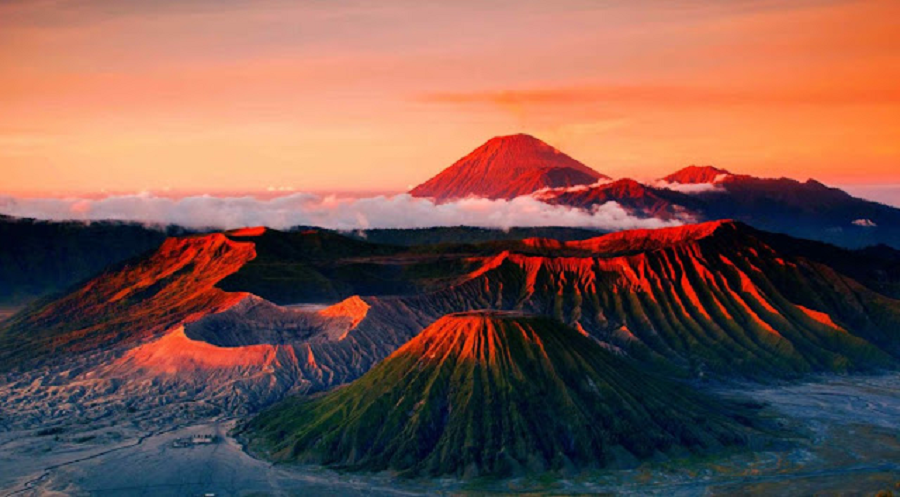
[487, 394]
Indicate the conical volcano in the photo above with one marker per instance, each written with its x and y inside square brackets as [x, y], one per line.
[506, 167]
[496, 394]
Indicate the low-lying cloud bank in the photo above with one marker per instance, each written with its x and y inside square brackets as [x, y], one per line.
[689, 188]
[550, 192]
[328, 211]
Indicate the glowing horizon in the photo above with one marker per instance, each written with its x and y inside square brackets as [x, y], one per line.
[202, 96]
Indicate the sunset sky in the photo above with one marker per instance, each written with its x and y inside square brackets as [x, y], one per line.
[234, 95]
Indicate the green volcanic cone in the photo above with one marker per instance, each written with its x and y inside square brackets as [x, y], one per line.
[497, 394]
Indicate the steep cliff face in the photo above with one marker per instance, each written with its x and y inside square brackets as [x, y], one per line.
[494, 394]
[506, 167]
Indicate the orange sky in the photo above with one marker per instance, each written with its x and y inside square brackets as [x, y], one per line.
[239, 95]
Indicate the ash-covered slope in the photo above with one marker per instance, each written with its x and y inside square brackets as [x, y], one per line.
[233, 362]
[506, 167]
[495, 394]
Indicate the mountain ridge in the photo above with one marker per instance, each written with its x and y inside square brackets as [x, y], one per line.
[717, 300]
[697, 175]
[807, 209]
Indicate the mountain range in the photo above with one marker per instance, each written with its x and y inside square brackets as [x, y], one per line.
[509, 166]
[40, 259]
[611, 333]
[459, 351]
[210, 311]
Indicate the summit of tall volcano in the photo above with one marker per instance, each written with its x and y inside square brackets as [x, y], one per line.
[506, 167]
[497, 393]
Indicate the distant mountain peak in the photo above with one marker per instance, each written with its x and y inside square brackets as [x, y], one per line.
[506, 167]
[692, 175]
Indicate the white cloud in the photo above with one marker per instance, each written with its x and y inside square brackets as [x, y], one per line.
[866, 223]
[689, 188]
[330, 211]
[550, 192]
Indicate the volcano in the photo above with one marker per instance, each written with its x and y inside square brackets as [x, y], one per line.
[506, 167]
[492, 393]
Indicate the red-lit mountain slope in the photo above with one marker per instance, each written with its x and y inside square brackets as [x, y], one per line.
[717, 297]
[709, 297]
[146, 333]
[694, 175]
[506, 167]
[128, 304]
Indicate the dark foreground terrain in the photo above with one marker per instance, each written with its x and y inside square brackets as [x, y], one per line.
[846, 442]
[208, 330]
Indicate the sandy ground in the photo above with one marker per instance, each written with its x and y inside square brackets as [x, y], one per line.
[307, 307]
[847, 443]
[151, 465]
